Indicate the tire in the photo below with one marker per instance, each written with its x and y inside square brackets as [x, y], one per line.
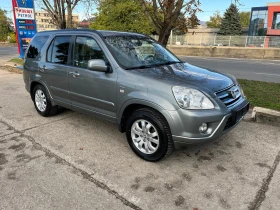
[156, 127]
[42, 101]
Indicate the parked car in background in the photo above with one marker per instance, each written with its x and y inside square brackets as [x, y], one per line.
[130, 79]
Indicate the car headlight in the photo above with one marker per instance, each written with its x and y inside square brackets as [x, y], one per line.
[241, 91]
[189, 98]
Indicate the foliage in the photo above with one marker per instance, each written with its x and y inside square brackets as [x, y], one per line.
[231, 24]
[193, 21]
[164, 13]
[13, 37]
[215, 20]
[262, 94]
[245, 18]
[181, 25]
[122, 15]
[5, 25]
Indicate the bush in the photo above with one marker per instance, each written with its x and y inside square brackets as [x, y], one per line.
[13, 38]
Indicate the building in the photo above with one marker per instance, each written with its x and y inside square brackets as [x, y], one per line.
[265, 26]
[44, 21]
[86, 23]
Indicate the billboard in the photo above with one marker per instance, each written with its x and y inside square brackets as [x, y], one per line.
[24, 16]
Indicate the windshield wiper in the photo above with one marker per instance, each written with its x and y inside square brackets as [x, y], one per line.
[140, 67]
[171, 62]
[154, 65]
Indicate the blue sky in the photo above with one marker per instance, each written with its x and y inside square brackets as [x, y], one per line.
[208, 7]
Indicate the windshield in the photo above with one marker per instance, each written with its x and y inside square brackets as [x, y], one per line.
[134, 51]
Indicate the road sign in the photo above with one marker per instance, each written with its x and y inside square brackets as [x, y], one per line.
[25, 24]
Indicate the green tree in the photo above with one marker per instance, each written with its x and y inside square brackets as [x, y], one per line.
[231, 24]
[245, 18]
[164, 13]
[193, 21]
[122, 15]
[215, 20]
[5, 25]
[181, 26]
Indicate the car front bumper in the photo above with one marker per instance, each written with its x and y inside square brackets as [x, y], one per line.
[187, 123]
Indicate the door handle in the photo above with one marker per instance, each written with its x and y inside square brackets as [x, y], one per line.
[74, 74]
[43, 69]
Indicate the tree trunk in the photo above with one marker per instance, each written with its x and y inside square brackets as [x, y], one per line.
[69, 17]
[164, 36]
[63, 14]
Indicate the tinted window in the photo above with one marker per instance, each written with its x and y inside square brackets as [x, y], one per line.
[58, 50]
[86, 48]
[36, 46]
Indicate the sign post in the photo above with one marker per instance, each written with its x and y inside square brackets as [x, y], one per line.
[24, 17]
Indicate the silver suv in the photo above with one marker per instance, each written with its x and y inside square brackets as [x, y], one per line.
[130, 79]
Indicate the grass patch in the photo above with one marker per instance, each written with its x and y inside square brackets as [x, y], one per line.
[17, 61]
[262, 94]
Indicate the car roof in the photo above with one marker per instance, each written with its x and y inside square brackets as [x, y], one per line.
[103, 33]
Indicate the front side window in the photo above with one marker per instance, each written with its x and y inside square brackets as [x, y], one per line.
[36, 46]
[58, 50]
[138, 51]
[86, 48]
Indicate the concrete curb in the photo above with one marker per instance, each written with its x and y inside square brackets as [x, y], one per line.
[267, 116]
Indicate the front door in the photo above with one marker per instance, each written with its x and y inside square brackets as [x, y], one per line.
[91, 91]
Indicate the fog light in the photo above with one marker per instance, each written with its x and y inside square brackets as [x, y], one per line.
[203, 128]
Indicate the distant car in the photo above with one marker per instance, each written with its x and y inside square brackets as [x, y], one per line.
[130, 79]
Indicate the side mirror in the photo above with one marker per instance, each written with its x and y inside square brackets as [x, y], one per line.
[98, 65]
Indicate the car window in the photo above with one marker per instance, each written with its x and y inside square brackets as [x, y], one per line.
[58, 50]
[138, 51]
[86, 48]
[36, 45]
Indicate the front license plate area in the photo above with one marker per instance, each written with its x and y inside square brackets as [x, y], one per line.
[237, 114]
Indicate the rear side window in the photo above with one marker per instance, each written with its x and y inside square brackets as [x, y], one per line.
[58, 50]
[36, 46]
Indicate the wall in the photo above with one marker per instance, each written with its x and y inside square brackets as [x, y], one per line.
[271, 11]
[228, 52]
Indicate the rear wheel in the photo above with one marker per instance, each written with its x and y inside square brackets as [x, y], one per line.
[42, 101]
[148, 135]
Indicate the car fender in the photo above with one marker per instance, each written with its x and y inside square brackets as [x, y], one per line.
[147, 103]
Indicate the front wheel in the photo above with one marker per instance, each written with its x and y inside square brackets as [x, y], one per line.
[148, 135]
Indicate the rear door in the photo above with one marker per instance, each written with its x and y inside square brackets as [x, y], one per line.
[55, 68]
[91, 91]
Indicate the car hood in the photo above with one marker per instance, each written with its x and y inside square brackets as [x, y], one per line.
[184, 74]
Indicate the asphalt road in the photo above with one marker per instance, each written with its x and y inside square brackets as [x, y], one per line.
[7, 53]
[260, 70]
[74, 161]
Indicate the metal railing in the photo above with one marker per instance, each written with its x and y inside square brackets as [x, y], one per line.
[231, 41]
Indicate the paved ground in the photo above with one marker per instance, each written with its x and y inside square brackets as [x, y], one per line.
[261, 70]
[7, 53]
[73, 161]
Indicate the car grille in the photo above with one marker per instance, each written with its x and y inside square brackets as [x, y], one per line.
[229, 96]
[237, 115]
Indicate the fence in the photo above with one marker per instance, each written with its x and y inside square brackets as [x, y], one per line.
[232, 41]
